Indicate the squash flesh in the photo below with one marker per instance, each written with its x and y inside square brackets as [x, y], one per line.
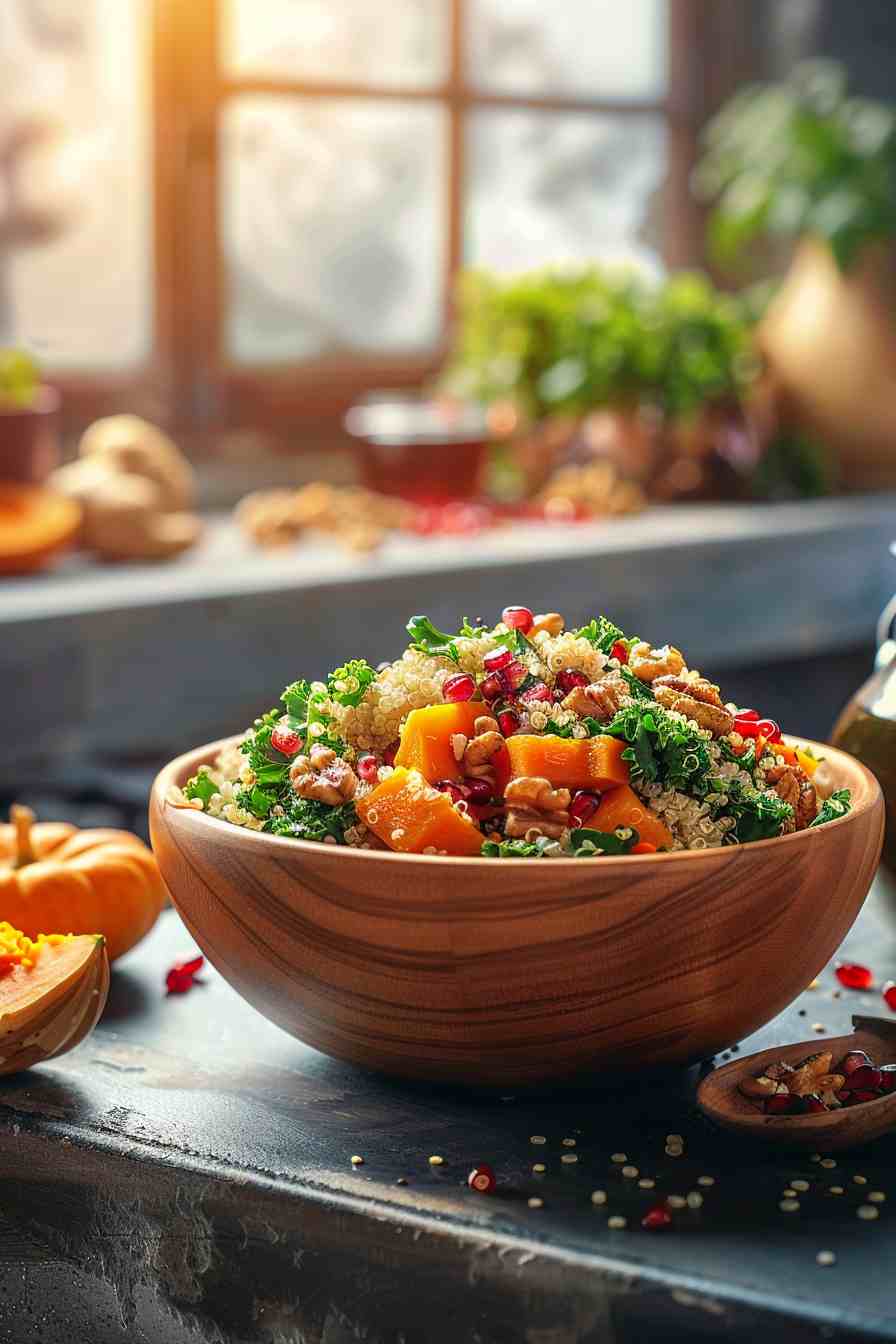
[569, 763]
[623, 807]
[409, 816]
[45, 979]
[426, 739]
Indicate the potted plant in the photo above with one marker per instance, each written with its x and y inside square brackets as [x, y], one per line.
[29, 442]
[803, 161]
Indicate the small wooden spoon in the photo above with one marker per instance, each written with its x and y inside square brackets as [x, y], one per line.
[824, 1132]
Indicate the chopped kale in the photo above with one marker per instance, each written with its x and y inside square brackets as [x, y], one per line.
[296, 698]
[746, 761]
[638, 689]
[348, 684]
[759, 813]
[307, 819]
[836, 806]
[270, 766]
[201, 786]
[426, 638]
[516, 849]
[661, 746]
[586, 843]
[603, 634]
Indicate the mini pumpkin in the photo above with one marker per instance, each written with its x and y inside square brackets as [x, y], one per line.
[54, 876]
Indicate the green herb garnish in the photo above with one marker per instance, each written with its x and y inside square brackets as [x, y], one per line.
[836, 806]
[661, 746]
[201, 786]
[426, 638]
[603, 634]
[348, 684]
[307, 819]
[587, 844]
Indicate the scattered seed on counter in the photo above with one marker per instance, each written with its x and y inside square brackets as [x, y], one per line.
[819, 1027]
[789, 1205]
[435, 1160]
[836, 994]
[538, 1167]
[616, 1222]
[867, 1212]
[836, 1190]
[647, 1183]
[788, 1194]
[816, 1157]
[694, 1199]
[828, 1162]
[706, 1180]
[535, 1202]
[801, 1012]
[630, 1172]
[674, 1139]
[357, 1161]
[569, 1143]
[876, 1197]
[402, 1180]
[537, 1138]
[569, 1157]
[672, 1151]
[825, 1258]
[860, 1180]
[598, 1197]
[619, 1157]
[800, 1185]
[676, 1201]
[814, 985]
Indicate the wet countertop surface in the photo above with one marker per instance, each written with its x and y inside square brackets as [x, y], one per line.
[186, 1174]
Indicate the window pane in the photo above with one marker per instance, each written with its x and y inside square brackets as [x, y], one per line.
[393, 42]
[589, 48]
[333, 222]
[75, 196]
[550, 187]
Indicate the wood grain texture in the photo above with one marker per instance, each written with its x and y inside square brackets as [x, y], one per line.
[509, 972]
[850, 1127]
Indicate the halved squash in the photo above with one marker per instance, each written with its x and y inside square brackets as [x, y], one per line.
[426, 738]
[52, 992]
[623, 807]
[35, 524]
[569, 763]
[410, 816]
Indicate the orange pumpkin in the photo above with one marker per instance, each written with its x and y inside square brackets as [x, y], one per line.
[623, 807]
[569, 762]
[35, 524]
[53, 876]
[52, 991]
[426, 738]
[410, 816]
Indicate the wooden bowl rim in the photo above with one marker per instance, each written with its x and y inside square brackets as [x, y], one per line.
[178, 771]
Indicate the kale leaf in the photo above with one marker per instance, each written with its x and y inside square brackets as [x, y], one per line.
[201, 786]
[603, 634]
[426, 638]
[348, 684]
[759, 814]
[661, 747]
[307, 819]
[516, 849]
[588, 844]
[836, 806]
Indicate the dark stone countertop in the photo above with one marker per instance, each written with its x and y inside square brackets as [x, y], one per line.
[185, 1175]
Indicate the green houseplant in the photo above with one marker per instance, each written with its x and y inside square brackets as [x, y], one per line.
[803, 161]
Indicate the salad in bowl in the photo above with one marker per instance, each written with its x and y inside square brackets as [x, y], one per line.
[524, 739]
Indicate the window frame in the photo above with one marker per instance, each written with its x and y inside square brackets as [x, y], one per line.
[188, 381]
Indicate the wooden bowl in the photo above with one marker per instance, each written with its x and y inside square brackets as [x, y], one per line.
[515, 971]
[824, 1132]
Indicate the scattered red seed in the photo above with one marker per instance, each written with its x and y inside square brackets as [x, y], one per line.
[285, 739]
[459, 687]
[498, 658]
[888, 1078]
[367, 768]
[494, 686]
[854, 1059]
[568, 678]
[867, 1078]
[508, 721]
[518, 618]
[812, 1104]
[782, 1103]
[656, 1218]
[456, 792]
[852, 975]
[536, 694]
[390, 753]
[181, 977]
[619, 651]
[583, 807]
[889, 994]
[482, 1179]
[478, 790]
[515, 674]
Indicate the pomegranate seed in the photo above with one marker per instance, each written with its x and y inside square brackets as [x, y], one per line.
[746, 727]
[583, 807]
[192, 966]
[508, 721]
[863, 1095]
[390, 753]
[498, 658]
[518, 618]
[812, 1104]
[482, 1179]
[179, 979]
[514, 674]
[889, 994]
[619, 651]
[459, 687]
[867, 1078]
[656, 1218]
[888, 1078]
[538, 692]
[568, 678]
[852, 1060]
[843, 1096]
[478, 790]
[367, 768]
[286, 740]
[456, 792]
[853, 976]
[494, 686]
[768, 729]
[782, 1103]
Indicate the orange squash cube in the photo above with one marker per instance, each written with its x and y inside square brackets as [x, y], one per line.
[426, 738]
[569, 762]
[410, 816]
[623, 807]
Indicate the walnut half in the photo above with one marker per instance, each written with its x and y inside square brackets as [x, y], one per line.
[535, 807]
[323, 776]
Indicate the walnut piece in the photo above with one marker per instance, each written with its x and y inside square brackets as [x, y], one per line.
[323, 776]
[793, 786]
[714, 718]
[481, 750]
[535, 807]
[601, 699]
[648, 664]
[550, 622]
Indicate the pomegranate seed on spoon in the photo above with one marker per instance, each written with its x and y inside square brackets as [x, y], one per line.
[518, 618]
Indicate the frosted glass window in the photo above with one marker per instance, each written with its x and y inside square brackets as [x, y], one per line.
[586, 48]
[549, 188]
[373, 41]
[75, 185]
[333, 222]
